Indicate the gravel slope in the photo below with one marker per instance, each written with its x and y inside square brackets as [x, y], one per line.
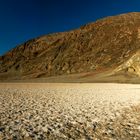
[63, 111]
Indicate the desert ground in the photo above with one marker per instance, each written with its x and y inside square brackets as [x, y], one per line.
[56, 111]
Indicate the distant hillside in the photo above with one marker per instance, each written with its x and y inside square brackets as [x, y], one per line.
[109, 44]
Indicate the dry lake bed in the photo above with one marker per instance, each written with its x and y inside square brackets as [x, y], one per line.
[43, 111]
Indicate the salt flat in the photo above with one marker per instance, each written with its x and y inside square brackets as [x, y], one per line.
[66, 111]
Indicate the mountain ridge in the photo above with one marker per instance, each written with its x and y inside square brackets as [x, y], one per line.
[106, 44]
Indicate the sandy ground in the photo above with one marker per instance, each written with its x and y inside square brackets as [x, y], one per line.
[69, 111]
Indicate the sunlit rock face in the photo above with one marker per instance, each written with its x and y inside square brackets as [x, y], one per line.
[105, 44]
[132, 65]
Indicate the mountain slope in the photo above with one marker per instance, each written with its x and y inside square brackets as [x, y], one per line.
[108, 44]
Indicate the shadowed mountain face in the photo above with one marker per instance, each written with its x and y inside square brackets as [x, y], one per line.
[110, 44]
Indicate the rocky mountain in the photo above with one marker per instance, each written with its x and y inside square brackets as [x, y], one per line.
[110, 45]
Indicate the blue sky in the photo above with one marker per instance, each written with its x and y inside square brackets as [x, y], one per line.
[21, 20]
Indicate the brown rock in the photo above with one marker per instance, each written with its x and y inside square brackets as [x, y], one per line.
[105, 44]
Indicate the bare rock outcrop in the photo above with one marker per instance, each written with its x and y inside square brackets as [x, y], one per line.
[109, 43]
[132, 65]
